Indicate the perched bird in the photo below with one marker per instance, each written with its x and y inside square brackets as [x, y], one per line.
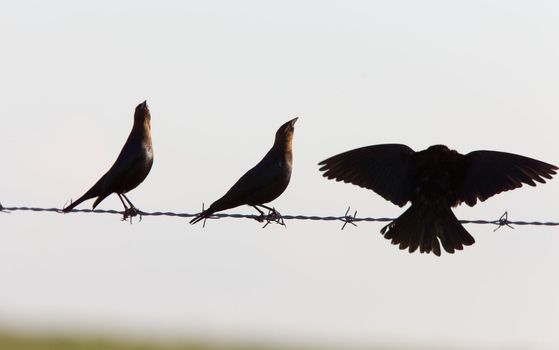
[130, 168]
[263, 183]
[433, 180]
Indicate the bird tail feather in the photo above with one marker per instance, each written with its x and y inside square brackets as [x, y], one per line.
[426, 226]
[93, 192]
[203, 215]
[77, 202]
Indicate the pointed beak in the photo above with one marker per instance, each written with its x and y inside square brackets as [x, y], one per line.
[292, 121]
[144, 104]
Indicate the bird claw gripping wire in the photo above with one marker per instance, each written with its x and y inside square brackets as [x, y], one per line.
[2, 209]
[503, 221]
[131, 212]
[348, 219]
[272, 216]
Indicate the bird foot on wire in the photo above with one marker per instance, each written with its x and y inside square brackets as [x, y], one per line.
[272, 216]
[131, 212]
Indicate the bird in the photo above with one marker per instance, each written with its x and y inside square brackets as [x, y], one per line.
[131, 167]
[433, 180]
[266, 181]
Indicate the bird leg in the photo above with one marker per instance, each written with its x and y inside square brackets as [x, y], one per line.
[132, 211]
[260, 218]
[129, 212]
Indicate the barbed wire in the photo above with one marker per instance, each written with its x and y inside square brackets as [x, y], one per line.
[275, 217]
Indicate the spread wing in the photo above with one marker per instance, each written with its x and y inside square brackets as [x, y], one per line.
[386, 169]
[491, 172]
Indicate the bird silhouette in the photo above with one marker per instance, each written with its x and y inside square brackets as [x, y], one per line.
[264, 182]
[433, 180]
[130, 168]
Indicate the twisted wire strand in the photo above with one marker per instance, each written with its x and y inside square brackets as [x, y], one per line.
[274, 217]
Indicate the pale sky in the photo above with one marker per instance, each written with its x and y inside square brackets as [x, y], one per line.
[220, 77]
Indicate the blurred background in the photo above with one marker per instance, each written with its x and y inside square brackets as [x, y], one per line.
[220, 77]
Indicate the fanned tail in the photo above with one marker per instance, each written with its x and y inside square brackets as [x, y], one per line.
[426, 226]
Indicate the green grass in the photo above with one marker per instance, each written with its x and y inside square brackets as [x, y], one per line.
[21, 341]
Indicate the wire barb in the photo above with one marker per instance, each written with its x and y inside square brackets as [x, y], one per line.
[203, 223]
[276, 217]
[349, 219]
[66, 204]
[503, 221]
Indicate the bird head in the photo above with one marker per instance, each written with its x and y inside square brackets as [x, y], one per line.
[142, 112]
[285, 132]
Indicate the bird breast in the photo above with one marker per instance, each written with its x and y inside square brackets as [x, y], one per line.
[148, 150]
